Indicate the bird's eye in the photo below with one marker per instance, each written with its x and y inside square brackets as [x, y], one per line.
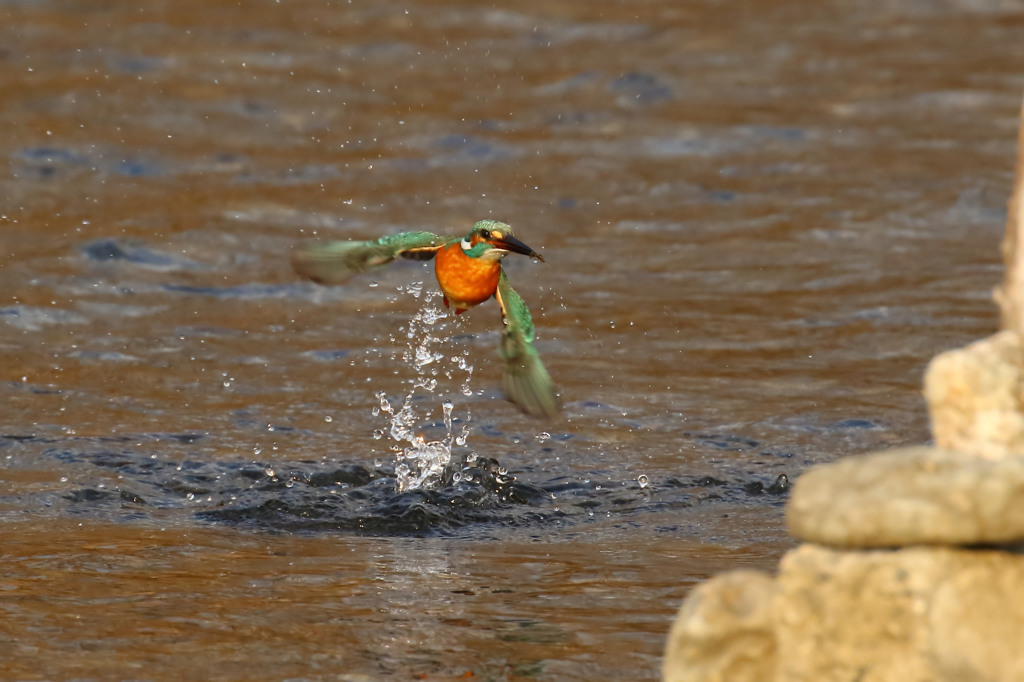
[485, 234]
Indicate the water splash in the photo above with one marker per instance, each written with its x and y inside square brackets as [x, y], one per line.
[421, 463]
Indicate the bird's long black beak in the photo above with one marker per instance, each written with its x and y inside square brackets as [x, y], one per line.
[510, 243]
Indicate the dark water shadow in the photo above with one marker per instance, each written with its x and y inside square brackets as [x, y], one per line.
[478, 499]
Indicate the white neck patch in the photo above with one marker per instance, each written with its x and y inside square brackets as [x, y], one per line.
[466, 246]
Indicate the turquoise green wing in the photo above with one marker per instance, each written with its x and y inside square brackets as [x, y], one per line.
[526, 382]
[338, 262]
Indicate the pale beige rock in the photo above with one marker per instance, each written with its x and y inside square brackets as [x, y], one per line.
[855, 615]
[923, 613]
[909, 496]
[976, 617]
[723, 632]
[975, 396]
[916, 614]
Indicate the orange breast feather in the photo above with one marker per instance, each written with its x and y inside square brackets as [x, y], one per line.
[465, 281]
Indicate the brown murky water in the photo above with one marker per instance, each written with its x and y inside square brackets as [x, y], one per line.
[760, 221]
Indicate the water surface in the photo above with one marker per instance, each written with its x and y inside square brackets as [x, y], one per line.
[760, 220]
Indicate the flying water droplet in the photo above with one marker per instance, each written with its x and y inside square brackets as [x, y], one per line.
[430, 316]
[421, 463]
[429, 384]
[642, 480]
[422, 356]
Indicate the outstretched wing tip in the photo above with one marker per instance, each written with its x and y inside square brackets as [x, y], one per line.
[526, 381]
[339, 261]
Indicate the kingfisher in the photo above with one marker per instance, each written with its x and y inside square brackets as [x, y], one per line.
[469, 272]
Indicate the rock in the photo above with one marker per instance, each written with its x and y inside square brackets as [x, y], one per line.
[724, 631]
[933, 610]
[976, 616]
[913, 615]
[854, 615]
[975, 397]
[918, 614]
[909, 496]
[1010, 294]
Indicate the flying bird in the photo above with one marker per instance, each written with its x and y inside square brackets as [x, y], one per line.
[469, 272]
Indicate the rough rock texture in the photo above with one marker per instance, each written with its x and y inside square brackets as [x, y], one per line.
[976, 397]
[909, 615]
[909, 496]
[976, 617]
[724, 631]
[934, 610]
[976, 394]
[855, 615]
[920, 614]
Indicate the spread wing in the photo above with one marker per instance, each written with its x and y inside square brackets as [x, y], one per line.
[526, 382]
[338, 262]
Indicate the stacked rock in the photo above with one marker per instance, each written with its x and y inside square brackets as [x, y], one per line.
[913, 573]
[913, 569]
